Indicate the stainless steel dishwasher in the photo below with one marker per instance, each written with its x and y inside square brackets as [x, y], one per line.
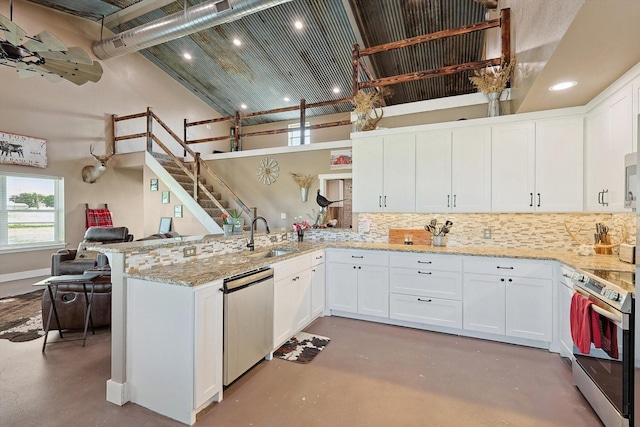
[248, 321]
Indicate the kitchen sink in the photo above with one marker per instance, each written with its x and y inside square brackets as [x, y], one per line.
[273, 253]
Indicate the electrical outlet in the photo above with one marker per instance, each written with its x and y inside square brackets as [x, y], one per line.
[487, 233]
[283, 215]
[190, 251]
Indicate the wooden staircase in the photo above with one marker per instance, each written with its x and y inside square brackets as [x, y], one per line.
[187, 183]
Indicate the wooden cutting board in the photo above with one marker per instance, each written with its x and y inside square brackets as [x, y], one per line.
[420, 235]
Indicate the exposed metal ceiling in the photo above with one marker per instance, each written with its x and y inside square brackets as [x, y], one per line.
[276, 61]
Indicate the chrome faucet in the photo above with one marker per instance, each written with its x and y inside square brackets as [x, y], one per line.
[250, 245]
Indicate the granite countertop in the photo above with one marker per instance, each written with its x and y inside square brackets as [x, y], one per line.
[202, 271]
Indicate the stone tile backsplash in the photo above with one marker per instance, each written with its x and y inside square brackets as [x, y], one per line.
[529, 231]
[509, 230]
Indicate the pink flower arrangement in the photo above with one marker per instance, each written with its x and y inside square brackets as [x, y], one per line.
[302, 225]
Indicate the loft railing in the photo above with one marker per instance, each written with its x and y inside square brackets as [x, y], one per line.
[199, 164]
[236, 121]
[360, 70]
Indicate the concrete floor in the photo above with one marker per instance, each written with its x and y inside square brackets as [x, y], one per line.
[369, 375]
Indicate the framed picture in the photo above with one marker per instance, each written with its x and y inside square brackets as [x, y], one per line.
[23, 150]
[340, 159]
[177, 211]
[165, 197]
[165, 224]
[154, 184]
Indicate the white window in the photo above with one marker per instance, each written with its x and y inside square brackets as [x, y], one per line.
[294, 134]
[31, 211]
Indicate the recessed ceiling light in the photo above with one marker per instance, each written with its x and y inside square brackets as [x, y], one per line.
[237, 42]
[336, 90]
[298, 25]
[187, 56]
[286, 99]
[243, 106]
[563, 86]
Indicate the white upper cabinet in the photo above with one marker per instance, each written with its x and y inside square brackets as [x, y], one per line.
[453, 170]
[529, 160]
[513, 167]
[384, 174]
[433, 171]
[559, 159]
[609, 136]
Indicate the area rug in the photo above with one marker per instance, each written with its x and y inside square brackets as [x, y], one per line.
[21, 317]
[302, 347]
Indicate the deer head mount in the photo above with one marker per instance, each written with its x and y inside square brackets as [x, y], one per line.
[91, 173]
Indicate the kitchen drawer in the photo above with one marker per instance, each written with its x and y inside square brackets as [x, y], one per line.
[357, 257]
[422, 282]
[291, 267]
[317, 258]
[430, 261]
[429, 311]
[508, 267]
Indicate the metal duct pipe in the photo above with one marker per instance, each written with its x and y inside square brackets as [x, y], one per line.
[197, 18]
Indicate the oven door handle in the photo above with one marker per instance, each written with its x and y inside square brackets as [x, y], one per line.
[607, 314]
[601, 311]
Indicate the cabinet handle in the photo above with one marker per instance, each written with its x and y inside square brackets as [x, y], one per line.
[511, 280]
[505, 268]
[359, 268]
[502, 279]
[319, 257]
[424, 300]
[313, 270]
[385, 201]
[603, 202]
[531, 200]
[424, 262]
[379, 201]
[448, 198]
[354, 267]
[357, 256]
[454, 200]
[599, 197]
[538, 199]
[424, 272]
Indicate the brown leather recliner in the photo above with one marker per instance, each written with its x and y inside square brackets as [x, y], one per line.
[70, 300]
[76, 261]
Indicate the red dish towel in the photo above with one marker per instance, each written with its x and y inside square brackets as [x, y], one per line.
[609, 332]
[580, 320]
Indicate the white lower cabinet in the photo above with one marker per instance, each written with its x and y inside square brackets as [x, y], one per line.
[509, 297]
[358, 282]
[565, 294]
[168, 352]
[317, 284]
[427, 310]
[292, 298]
[426, 289]
[484, 303]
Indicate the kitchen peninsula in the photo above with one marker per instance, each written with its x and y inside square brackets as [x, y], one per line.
[145, 273]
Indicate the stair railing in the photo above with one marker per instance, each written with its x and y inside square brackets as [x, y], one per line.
[199, 164]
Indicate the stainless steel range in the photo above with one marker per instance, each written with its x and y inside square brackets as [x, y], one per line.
[604, 373]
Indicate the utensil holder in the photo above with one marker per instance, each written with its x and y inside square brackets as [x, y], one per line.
[439, 241]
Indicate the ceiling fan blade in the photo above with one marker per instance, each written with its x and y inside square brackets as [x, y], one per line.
[79, 75]
[93, 71]
[11, 32]
[43, 42]
[73, 55]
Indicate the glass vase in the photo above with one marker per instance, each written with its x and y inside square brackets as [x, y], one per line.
[300, 235]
